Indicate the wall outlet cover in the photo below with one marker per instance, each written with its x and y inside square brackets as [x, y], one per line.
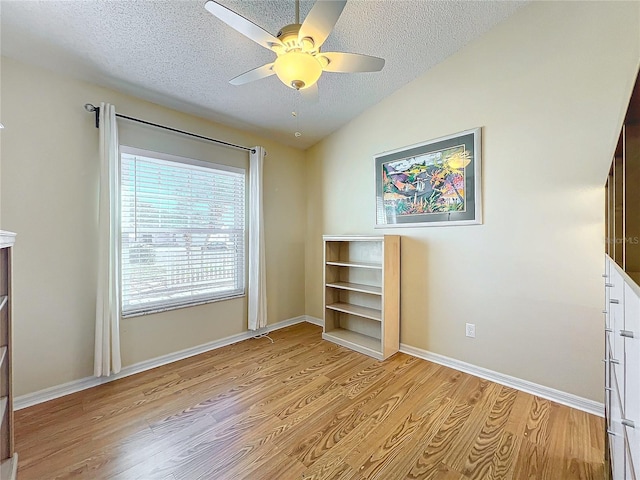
[471, 330]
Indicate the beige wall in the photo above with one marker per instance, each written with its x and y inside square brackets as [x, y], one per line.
[49, 196]
[549, 87]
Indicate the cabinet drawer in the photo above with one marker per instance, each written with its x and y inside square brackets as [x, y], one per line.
[607, 293]
[617, 377]
[616, 313]
[607, 368]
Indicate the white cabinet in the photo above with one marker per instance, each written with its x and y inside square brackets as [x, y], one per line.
[8, 458]
[622, 372]
[362, 293]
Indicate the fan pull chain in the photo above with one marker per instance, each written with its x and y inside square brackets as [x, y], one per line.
[296, 114]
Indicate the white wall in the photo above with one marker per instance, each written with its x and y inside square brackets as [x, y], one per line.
[549, 87]
[49, 197]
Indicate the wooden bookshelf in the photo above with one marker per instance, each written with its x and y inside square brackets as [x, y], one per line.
[362, 293]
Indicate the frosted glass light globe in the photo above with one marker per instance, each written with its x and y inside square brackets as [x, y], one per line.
[297, 70]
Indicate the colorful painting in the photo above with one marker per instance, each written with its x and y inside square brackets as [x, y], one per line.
[434, 183]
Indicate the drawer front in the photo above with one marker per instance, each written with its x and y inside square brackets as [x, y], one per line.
[616, 312]
[607, 293]
[607, 370]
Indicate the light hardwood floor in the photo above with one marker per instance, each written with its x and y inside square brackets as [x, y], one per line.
[304, 408]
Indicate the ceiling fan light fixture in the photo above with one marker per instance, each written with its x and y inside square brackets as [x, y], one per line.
[297, 69]
[299, 62]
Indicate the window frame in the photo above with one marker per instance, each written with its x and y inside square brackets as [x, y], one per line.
[241, 267]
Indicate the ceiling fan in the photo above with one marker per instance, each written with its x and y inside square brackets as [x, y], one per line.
[299, 62]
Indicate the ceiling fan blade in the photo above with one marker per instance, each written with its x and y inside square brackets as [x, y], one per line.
[352, 62]
[242, 25]
[310, 94]
[253, 75]
[321, 19]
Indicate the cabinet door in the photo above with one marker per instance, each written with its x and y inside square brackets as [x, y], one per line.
[629, 470]
[616, 439]
[631, 337]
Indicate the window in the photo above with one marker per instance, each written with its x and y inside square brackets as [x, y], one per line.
[182, 231]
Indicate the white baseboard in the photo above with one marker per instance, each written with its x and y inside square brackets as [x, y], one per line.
[564, 398]
[314, 320]
[30, 399]
[558, 396]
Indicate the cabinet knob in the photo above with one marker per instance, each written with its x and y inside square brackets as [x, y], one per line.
[612, 433]
[614, 361]
[605, 312]
[626, 333]
[614, 300]
[608, 389]
[628, 423]
[604, 275]
[609, 330]
[608, 285]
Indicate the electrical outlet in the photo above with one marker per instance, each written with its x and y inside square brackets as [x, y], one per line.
[471, 330]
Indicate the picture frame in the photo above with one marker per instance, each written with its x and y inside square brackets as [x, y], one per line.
[434, 183]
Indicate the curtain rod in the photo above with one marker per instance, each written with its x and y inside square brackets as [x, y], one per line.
[92, 108]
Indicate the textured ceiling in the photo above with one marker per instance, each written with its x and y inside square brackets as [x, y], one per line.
[177, 54]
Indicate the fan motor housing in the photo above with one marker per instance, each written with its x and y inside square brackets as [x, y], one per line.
[288, 35]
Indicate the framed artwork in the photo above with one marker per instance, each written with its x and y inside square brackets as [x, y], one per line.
[434, 183]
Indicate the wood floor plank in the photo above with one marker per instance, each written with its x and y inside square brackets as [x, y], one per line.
[571, 439]
[479, 461]
[429, 464]
[366, 374]
[519, 414]
[533, 462]
[536, 429]
[390, 447]
[336, 416]
[399, 401]
[480, 396]
[304, 408]
[393, 424]
[334, 470]
[438, 409]
[504, 457]
[269, 466]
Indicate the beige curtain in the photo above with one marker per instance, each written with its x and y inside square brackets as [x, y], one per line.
[107, 342]
[257, 285]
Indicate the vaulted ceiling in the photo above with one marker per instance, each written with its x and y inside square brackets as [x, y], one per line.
[177, 54]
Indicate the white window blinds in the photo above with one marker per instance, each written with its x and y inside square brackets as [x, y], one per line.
[182, 231]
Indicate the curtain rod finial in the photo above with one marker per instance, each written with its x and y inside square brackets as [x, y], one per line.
[93, 109]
